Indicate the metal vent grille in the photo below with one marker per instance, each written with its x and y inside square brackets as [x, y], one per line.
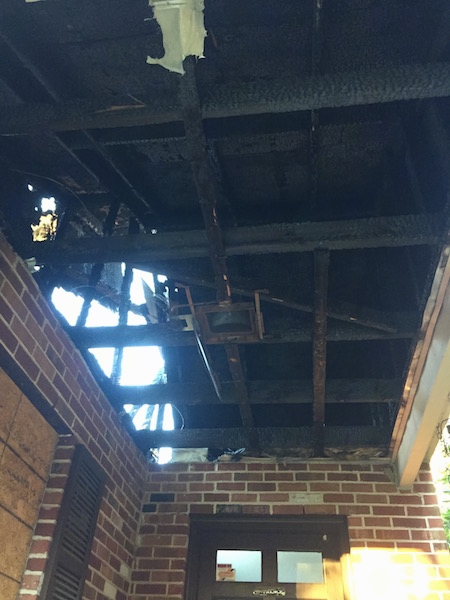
[80, 520]
[66, 585]
[71, 547]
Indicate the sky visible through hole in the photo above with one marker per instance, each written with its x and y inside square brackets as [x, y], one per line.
[141, 365]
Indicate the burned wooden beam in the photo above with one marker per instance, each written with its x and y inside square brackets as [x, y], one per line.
[316, 53]
[161, 148]
[270, 437]
[111, 174]
[96, 160]
[204, 178]
[94, 278]
[279, 332]
[367, 317]
[388, 323]
[194, 275]
[152, 249]
[321, 264]
[97, 268]
[298, 391]
[375, 232]
[124, 307]
[245, 410]
[392, 83]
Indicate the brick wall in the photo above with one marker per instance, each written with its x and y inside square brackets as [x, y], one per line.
[25, 457]
[38, 355]
[398, 547]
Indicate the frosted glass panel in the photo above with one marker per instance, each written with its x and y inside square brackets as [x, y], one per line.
[238, 565]
[300, 567]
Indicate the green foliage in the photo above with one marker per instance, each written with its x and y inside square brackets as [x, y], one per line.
[445, 481]
[446, 520]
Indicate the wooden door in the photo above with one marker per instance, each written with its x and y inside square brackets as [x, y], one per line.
[267, 558]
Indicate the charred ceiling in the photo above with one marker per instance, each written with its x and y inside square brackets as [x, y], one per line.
[294, 182]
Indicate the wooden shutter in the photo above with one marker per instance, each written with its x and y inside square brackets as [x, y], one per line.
[71, 547]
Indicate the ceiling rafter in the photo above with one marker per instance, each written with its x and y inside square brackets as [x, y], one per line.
[375, 195]
[379, 324]
[316, 53]
[245, 410]
[321, 265]
[109, 173]
[205, 183]
[341, 437]
[97, 268]
[390, 323]
[167, 143]
[334, 90]
[279, 331]
[204, 178]
[295, 391]
[124, 308]
[275, 238]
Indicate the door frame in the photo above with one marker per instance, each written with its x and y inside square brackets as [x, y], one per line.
[201, 525]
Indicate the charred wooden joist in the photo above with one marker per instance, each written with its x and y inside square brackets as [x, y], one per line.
[321, 265]
[270, 437]
[95, 159]
[241, 393]
[280, 332]
[389, 84]
[338, 391]
[375, 232]
[204, 178]
[298, 151]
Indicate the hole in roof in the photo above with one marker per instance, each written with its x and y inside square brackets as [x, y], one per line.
[153, 416]
[47, 226]
[105, 359]
[101, 316]
[48, 204]
[142, 366]
[139, 366]
[67, 303]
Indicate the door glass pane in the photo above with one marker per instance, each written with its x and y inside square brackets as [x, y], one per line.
[299, 567]
[238, 565]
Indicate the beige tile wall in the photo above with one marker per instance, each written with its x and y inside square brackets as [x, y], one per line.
[27, 445]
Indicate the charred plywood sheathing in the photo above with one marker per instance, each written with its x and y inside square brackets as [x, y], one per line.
[183, 31]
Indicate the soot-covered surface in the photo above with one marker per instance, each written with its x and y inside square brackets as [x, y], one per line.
[305, 157]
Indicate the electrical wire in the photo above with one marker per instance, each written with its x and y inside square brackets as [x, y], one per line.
[180, 414]
[63, 185]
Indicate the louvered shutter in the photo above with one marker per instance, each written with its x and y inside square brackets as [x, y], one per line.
[71, 547]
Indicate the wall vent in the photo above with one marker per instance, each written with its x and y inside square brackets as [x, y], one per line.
[71, 547]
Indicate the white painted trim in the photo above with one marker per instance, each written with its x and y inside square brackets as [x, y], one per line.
[431, 403]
